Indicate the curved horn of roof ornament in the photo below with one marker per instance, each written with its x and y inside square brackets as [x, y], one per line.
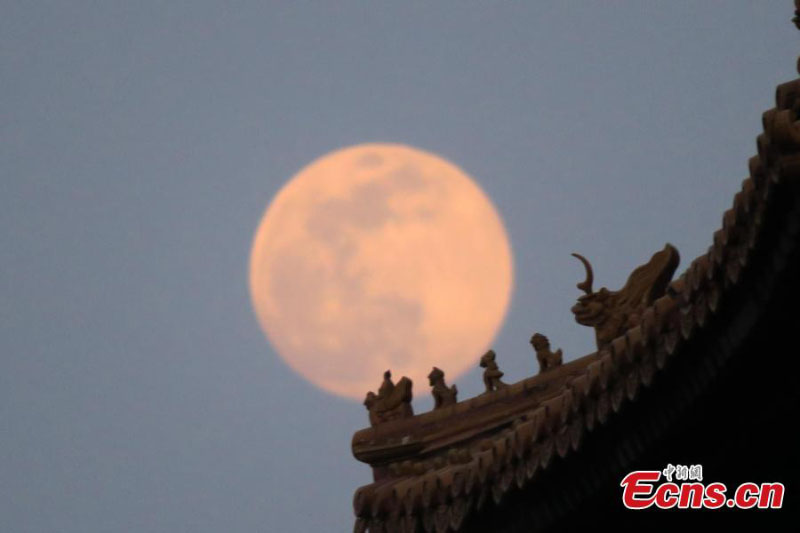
[586, 286]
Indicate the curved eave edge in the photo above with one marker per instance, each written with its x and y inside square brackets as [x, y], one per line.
[440, 499]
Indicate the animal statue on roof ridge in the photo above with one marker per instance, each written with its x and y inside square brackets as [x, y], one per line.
[548, 359]
[611, 313]
[492, 374]
[392, 402]
[442, 394]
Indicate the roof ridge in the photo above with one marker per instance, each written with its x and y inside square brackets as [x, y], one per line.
[438, 496]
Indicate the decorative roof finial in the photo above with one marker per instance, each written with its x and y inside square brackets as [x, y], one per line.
[442, 394]
[586, 286]
[548, 359]
[492, 374]
[611, 313]
[393, 401]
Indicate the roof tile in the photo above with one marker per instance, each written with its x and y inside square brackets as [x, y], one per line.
[437, 493]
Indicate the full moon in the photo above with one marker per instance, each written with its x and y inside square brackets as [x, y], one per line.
[378, 257]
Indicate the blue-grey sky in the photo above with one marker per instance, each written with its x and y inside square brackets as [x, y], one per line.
[141, 141]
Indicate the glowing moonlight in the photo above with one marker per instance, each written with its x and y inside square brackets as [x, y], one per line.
[375, 257]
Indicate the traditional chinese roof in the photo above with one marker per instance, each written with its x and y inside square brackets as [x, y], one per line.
[446, 470]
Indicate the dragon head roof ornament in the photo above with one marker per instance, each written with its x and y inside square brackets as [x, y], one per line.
[611, 313]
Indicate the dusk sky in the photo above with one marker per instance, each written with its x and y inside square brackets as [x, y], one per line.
[140, 143]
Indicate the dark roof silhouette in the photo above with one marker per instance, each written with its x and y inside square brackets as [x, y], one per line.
[707, 372]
